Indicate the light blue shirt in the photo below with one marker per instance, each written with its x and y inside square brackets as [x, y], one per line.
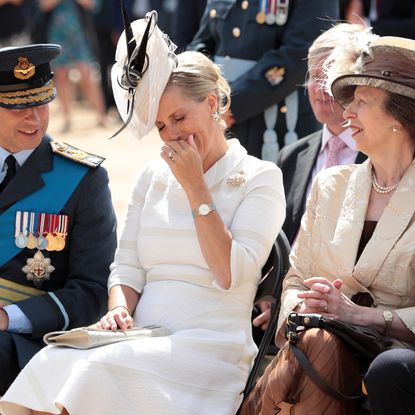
[20, 157]
[18, 321]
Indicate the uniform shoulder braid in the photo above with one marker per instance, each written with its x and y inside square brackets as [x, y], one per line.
[73, 153]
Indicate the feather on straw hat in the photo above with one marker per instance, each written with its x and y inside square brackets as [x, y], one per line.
[386, 62]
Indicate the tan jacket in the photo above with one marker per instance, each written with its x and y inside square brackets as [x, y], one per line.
[329, 238]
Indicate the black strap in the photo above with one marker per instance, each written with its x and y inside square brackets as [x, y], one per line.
[317, 379]
[11, 171]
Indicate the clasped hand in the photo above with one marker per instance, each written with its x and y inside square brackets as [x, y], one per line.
[324, 297]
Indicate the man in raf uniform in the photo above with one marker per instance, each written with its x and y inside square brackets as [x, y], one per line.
[57, 224]
[262, 46]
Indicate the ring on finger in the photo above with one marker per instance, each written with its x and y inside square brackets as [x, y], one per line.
[171, 155]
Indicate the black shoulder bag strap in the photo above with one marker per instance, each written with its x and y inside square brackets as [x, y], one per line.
[293, 328]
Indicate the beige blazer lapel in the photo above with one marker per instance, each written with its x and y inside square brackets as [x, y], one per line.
[350, 222]
[393, 222]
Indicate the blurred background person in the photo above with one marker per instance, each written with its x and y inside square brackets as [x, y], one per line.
[186, 21]
[262, 47]
[387, 17]
[332, 145]
[164, 8]
[14, 22]
[69, 23]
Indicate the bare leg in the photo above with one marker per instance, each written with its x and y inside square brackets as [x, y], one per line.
[64, 94]
[92, 91]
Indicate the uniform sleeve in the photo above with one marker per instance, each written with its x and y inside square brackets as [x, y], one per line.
[307, 19]
[127, 269]
[83, 297]
[256, 224]
[203, 40]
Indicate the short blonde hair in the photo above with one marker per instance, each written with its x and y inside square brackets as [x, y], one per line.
[197, 76]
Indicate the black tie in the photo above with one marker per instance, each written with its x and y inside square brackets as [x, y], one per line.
[11, 171]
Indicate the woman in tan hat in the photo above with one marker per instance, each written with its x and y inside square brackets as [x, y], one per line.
[354, 257]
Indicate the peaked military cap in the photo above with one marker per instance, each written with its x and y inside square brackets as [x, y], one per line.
[26, 75]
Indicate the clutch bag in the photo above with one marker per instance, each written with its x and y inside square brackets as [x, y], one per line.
[89, 337]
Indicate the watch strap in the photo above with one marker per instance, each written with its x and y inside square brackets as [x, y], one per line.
[388, 317]
[197, 212]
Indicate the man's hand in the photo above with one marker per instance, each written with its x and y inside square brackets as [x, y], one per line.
[263, 319]
[4, 319]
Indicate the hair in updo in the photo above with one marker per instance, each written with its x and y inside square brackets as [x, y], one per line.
[197, 76]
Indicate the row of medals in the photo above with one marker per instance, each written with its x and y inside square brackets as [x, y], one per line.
[50, 241]
[277, 12]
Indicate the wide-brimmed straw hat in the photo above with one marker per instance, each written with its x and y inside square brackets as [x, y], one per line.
[386, 62]
[144, 61]
[26, 75]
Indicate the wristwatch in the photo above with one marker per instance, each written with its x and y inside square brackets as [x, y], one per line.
[388, 317]
[204, 209]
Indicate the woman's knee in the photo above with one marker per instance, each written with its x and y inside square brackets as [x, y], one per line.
[392, 366]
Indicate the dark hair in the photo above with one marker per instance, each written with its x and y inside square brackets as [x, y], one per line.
[403, 109]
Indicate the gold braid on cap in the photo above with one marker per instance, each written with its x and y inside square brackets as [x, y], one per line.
[28, 95]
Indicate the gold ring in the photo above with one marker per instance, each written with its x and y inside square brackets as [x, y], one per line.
[171, 155]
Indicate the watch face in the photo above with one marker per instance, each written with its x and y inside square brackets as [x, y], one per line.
[204, 209]
[388, 315]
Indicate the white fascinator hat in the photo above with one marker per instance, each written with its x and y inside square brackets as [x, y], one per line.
[144, 61]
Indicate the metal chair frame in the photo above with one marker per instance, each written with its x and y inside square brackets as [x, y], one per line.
[269, 289]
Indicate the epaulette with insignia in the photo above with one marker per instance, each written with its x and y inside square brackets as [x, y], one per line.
[75, 154]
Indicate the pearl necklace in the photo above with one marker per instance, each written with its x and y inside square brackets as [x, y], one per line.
[382, 189]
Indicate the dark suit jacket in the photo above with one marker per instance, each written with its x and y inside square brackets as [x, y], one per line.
[270, 46]
[396, 17]
[296, 162]
[79, 280]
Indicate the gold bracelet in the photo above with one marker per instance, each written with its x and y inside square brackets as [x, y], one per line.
[121, 306]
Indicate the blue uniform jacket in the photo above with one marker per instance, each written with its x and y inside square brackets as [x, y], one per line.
[79, 280]
[270, 46]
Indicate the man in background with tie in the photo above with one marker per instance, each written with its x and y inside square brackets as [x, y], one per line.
[57, 224]
[301, 161]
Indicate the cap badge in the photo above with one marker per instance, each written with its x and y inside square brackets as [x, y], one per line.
[24, 69]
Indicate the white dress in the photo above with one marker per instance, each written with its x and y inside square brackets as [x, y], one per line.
[202, 367]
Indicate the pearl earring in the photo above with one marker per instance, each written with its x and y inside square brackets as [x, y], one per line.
[395, 129]
[215, 116]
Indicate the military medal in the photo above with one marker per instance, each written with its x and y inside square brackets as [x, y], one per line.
[281, 14]
[21, 229]
[38, 269]
[270, 17]
[261, 15]
[50, 236]
[42, 242]
[32, 241]
[62, 232]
